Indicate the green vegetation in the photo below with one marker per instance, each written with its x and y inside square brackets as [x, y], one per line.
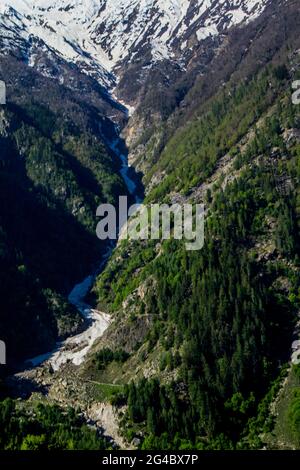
[45, 427]
[294, 410]
[285, 432]
[211, 330]
[106, 356]
[53, 175]
[222, 318]
[107, 392]
[191, 155]
[161, 414]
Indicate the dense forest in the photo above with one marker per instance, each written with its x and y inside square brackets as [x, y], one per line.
[53, 176]
[222, 319]
[46, 427]
[197, 354]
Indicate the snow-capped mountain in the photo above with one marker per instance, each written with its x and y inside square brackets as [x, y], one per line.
[124, 26]
[102, 35]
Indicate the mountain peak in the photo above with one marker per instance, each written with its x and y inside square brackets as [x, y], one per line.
[100, 35]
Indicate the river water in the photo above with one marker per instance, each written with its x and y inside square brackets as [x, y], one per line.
[75, 349]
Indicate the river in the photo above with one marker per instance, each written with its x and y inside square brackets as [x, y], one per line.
[75, 349]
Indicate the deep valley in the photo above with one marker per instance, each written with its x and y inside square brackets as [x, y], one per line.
[142, 344]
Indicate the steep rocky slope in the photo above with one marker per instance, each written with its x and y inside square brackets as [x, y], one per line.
[79, 52]
[106, 34]
[203, 334]
[209, 330]
[55, 169]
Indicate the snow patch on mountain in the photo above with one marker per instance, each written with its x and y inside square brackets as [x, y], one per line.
[100, 35]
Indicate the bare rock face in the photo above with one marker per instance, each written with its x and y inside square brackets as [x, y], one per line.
[105, 416]
[127, 46]
[291, 136]
[2, 93]
[4, 124]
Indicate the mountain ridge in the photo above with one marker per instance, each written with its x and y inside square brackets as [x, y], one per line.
[104, 36]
